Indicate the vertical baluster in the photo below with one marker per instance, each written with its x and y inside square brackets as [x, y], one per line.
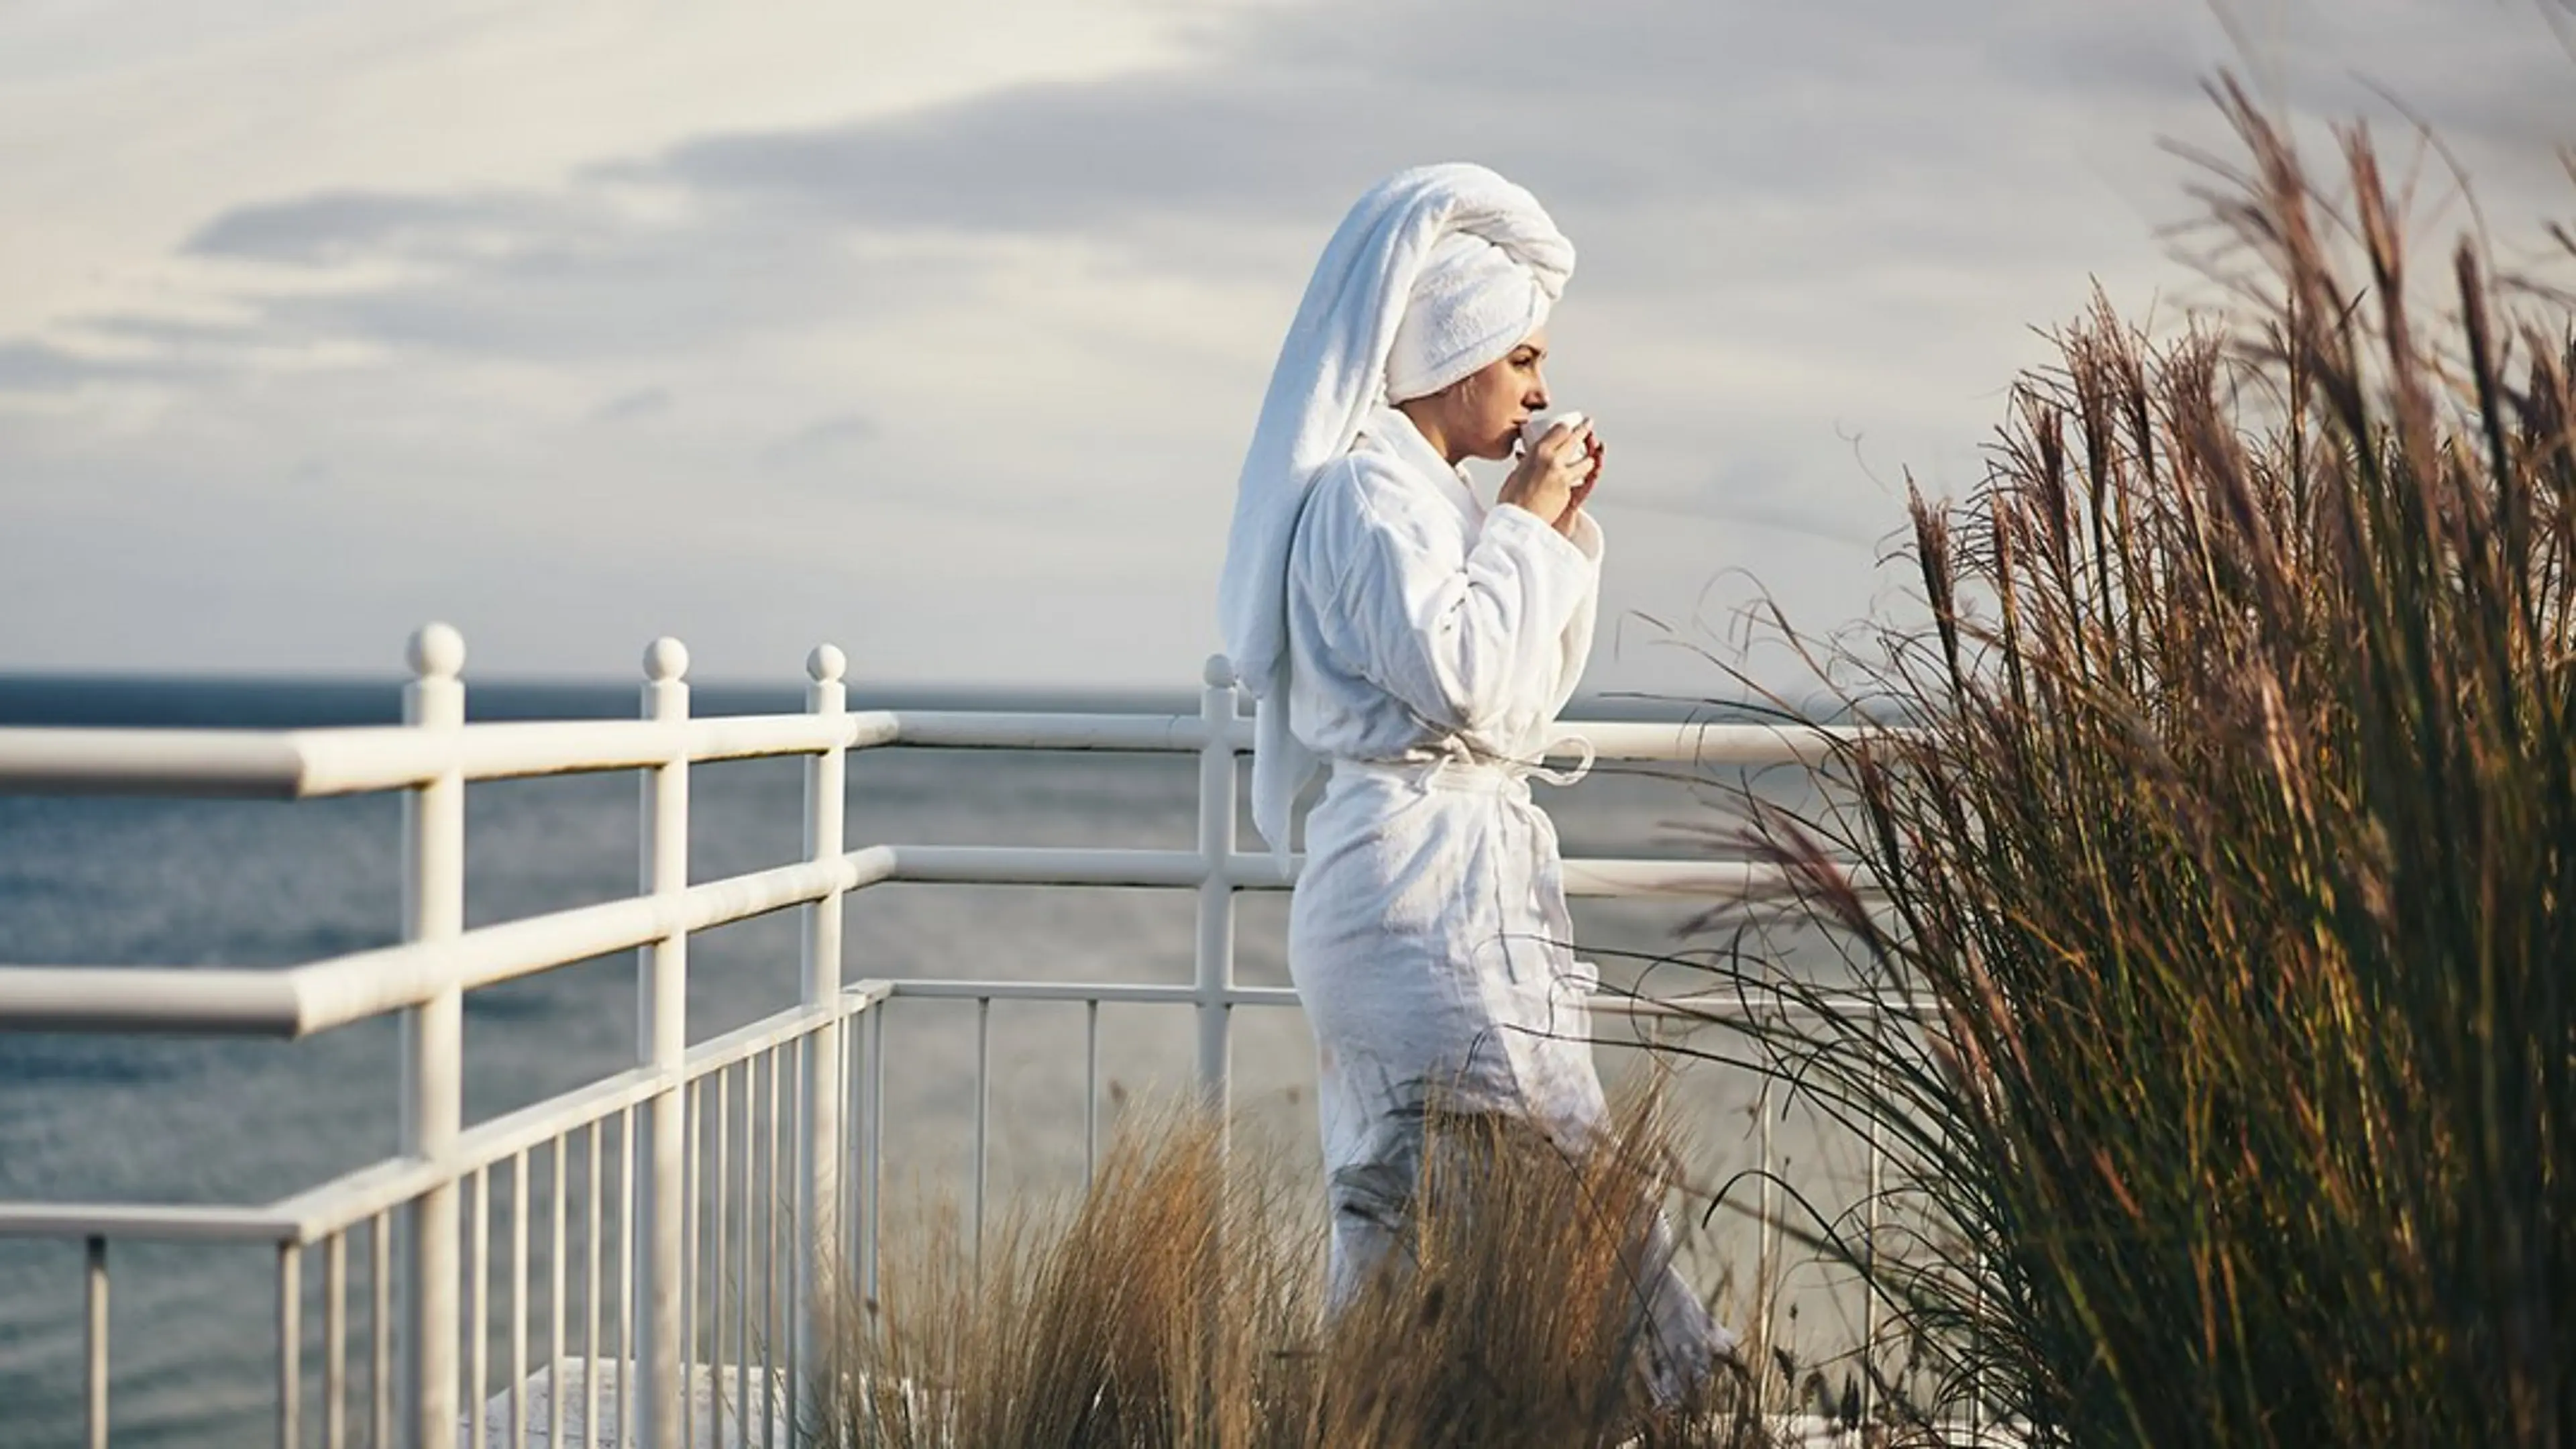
[433, 1044]
[1869, 1321]
[662, 1044]
[290, 1345]
[983, 1114]
[873, 1161]
[590, 1290]
[1767, 1266]
[380, 1368]
[478, 1306]
[1090, 1090]
[335, 1341]
[720, 1177]
[742, 1269]
[518, 1390]
[818, 1148]
[556, 1246]
[769, 1301]
[854, 1110]
[1215, 977]
[694, 1097]
[792, 1324]
[95, 1294]
[626, 1391]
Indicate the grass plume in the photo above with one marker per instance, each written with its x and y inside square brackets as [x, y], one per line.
[2232, 855]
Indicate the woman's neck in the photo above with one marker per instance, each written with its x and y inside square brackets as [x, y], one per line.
[1428, 425]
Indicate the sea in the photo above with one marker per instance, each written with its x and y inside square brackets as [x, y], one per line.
[112, 881]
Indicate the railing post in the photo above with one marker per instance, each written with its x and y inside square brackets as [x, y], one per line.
[1215, 977]
[433, 1047]
[659, 1400]
[818, 1207]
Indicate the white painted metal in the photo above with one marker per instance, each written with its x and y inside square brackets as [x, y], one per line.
[335, 1341]
[983, 1113]
[1090, 1091]
[518, 1294]
[769, 1305]
[981, 730]
[872, 1155]
[380, 1330]
[433, 1043]
[556, 1247]
[590, 1291]
[720, 1176]
[693, 1098]
[1215, 967]
[478, 1291]
[95, 1400]
[290, 1346]
[818, 1196]
[662, 1045]
[210, 763]
[303, 1000]
[624, 1321]
[304, 764]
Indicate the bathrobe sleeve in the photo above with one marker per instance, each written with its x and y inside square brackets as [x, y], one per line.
[1474, 630]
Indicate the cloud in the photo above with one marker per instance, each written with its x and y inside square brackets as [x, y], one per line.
[634, 406]
[827, 443]
[1687, 139]
[330, 227]
[37, 367]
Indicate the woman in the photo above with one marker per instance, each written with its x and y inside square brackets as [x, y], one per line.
[1419, 644]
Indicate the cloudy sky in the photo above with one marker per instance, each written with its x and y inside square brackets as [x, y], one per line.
[937, 330]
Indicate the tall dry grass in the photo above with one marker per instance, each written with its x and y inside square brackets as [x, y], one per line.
[1178, 1304]
[2232, 851]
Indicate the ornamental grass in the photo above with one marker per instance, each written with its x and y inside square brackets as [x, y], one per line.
[2229, 850]
[1177, 1303]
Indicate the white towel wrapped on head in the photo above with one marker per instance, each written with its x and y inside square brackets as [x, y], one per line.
[1435, 273]
[1471, 303]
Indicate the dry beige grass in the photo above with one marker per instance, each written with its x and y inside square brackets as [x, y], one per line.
[1176, 1304]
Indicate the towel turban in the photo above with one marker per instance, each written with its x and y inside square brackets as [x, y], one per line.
[1471, 304]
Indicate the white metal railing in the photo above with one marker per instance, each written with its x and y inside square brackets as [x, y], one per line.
[722, 1151]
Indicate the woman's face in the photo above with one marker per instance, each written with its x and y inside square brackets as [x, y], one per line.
[1481, 416]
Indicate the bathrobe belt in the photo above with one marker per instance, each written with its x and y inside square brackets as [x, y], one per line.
[1455, 765]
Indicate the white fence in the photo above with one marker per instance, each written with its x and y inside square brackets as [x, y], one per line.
[752, 1159]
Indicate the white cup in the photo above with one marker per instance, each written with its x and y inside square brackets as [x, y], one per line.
[1537, 427]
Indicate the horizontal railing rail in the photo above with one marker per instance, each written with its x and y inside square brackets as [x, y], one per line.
[371, 759]
[300, 1001]
[681, 1128]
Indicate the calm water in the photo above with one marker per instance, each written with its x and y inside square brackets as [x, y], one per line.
[183, 883]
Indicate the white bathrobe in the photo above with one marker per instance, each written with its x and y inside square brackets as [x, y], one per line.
[1432, 642]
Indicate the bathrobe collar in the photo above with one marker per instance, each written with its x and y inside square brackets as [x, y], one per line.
[1389, 426]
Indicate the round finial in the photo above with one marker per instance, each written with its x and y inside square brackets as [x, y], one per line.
[1219, 673]
[437, 652]
[826, 664]
[665, 659]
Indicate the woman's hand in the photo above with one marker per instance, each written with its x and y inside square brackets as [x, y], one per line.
[1555, 475]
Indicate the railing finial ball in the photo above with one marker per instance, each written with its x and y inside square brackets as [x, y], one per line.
[665, 660]
[436, 651]
[826, 664]
[1219, 673]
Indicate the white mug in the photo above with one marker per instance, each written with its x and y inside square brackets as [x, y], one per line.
[1537, 427]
